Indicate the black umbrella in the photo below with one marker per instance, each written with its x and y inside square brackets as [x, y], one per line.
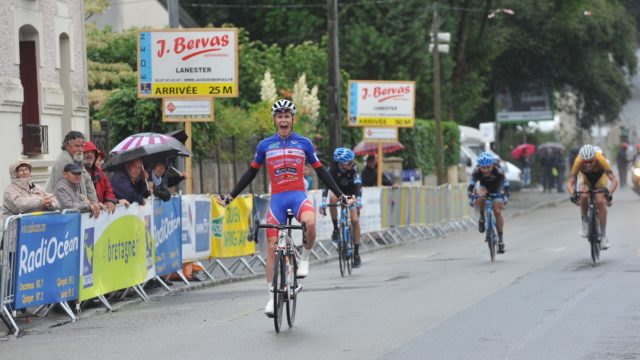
[151, 148]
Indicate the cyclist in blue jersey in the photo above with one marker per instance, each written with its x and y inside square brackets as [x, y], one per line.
[285, 154]
[488, 178]
[346, 175]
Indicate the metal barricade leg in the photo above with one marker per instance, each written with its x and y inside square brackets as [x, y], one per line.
[5, 314]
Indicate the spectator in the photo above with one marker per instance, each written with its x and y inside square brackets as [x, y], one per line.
[23, 196]
[73, 146]
[100, 182]
[68, 190]
[130, 183]
[525, 163]
[558, 165]
[546, 163]
[623, 162]
[369, 173]
[161, 181]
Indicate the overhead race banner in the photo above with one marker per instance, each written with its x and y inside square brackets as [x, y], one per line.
[48, 259]
[117, 250]
[193, 110]
[230, 228]
[167, 235]
[196, 227]
[188, 63]
[381, 103]
[531, 103]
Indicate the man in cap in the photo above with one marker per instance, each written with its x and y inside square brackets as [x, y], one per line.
[73, 147]
[68, 190]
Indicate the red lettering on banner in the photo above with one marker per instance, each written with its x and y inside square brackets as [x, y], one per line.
[193, 47]
[382, 94]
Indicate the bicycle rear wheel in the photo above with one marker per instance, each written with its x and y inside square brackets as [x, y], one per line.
[293, 290]
[279, 268]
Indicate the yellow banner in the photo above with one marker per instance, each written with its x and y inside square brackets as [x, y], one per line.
[383, 121]
[118, 251]
[192, 89]
[230, 228]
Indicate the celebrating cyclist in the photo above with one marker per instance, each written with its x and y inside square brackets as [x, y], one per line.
[284, 154]
[488, 178]
[345, 173]
[595, 173]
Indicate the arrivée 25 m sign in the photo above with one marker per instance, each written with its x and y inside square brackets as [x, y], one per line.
[188, 63]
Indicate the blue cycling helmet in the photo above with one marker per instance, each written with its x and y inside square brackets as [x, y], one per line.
[343, 155]
[485, 159]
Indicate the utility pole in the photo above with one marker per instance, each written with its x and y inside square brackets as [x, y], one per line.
[174, 13]
[335, 123]
[436, 96]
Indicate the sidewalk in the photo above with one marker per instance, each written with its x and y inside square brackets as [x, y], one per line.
[520, 203]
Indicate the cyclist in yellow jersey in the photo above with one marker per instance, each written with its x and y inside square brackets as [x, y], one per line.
[595, 173]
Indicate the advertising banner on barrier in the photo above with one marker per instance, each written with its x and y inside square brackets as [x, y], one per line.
[167, 235]
[196, 227]
[117, 250]
[48, 259]
[230, 228]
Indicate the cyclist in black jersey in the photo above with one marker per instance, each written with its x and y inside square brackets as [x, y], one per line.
[345, 173]
[490, 179]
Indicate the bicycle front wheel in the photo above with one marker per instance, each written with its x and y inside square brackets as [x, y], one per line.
[348, 249]
[594, 237]
[293, 289]
[279, 283]
[491, 238]
[342, 261]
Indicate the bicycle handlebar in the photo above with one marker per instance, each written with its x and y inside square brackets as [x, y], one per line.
[281, 226]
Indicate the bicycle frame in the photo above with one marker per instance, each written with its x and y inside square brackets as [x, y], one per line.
[345, 243]
[490, 223]
[593, 221]
[285, 267]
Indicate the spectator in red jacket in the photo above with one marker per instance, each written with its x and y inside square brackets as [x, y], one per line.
[100, 180]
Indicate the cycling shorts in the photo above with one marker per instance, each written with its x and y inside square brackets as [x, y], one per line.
[295, 200]
[599, 183]
[481, 190]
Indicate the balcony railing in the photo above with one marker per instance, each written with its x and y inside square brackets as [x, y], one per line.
[35, 139]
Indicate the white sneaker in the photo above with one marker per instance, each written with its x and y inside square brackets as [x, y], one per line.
[604, 243]
[584, 232]
[268, 309]
[303, 268]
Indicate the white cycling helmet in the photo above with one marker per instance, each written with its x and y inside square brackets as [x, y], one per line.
[283, 105]
[587, 152]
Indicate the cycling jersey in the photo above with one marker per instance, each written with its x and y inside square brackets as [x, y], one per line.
[597, 171]
[493, 182]
[348, 181]
[285, 159]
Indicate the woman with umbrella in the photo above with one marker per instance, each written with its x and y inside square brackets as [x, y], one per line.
[523, 153]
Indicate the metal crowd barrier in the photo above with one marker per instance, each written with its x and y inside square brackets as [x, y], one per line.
[411, 213]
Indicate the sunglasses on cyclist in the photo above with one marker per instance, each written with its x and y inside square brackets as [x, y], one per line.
[486, 167]
[589, 162]
[347, 163]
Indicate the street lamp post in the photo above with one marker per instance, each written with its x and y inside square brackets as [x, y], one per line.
[436, 48]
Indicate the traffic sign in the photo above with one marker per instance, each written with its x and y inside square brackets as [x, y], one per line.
[377, 134]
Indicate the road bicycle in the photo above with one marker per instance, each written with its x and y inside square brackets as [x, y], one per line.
[593, 224]
[345, 240]
[285, 284]
[490, 223]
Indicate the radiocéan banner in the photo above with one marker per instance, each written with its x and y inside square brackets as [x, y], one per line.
[188, 63]
[48, 258]
[167, 234]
